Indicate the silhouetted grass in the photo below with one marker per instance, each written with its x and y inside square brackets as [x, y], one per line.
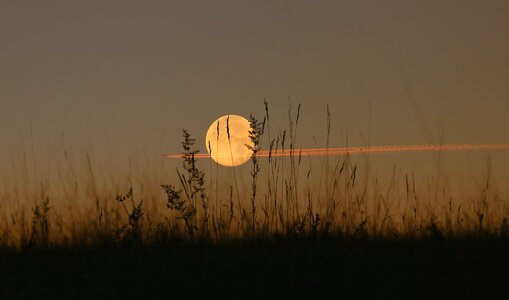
[296, 230]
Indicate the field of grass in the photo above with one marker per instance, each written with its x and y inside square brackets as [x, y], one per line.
[288, 229]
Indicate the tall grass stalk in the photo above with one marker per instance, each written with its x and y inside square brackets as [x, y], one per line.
[234, 170]
[255, 135]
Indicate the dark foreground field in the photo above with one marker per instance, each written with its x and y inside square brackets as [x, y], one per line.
[332, 267]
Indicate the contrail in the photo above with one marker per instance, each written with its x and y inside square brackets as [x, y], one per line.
[365, 149]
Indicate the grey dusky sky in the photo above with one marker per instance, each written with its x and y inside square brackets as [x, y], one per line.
[120, 77]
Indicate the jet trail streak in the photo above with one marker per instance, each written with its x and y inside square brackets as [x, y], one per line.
[365, 150]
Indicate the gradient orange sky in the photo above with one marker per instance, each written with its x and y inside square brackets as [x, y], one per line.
[122, 77]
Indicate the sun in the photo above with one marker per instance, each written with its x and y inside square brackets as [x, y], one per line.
[227, 140]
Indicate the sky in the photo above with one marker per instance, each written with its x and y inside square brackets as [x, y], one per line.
[124, 77]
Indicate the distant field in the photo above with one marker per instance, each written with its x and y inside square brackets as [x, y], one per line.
[77, 205]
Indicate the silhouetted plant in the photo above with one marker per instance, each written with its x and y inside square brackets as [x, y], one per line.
[193, 184]
[181, 206]
[255, 134]
[234, 172]
[40, 226]
[133, 229]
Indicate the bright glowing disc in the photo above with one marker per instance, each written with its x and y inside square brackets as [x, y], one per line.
[232, 151]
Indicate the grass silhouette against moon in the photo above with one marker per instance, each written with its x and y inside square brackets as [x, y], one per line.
[284, 233]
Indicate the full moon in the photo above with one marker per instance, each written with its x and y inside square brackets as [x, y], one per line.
[229, 152]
